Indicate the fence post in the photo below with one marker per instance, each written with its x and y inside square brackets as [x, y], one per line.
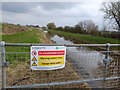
[3, 65]
[106, 62]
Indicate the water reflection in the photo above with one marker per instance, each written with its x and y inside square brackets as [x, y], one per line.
[85, 58]
[60, 40]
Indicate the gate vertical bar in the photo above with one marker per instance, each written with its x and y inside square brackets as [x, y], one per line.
[3, 65]
[105, 62]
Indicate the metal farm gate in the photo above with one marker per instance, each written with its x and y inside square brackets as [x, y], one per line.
[85, 68]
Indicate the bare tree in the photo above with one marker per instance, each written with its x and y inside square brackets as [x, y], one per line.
[112, 12]
[88, 25]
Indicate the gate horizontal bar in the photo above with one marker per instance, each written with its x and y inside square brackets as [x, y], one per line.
[61, 83]
[67, 45]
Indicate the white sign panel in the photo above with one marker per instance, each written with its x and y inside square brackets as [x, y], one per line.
[48, 57]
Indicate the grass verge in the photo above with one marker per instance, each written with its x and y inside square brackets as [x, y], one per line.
[86, 39]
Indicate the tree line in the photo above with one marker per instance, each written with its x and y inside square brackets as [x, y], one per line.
[83, 27]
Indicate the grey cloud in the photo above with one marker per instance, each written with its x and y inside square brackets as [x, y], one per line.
[17, 7]
[23, 7]
[58, 6]
[59, 10]
[64, 13]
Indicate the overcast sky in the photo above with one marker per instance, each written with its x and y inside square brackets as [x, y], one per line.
[61, 13]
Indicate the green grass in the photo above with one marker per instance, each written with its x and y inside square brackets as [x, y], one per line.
[86, 39]
[26, 37]
[81, 38]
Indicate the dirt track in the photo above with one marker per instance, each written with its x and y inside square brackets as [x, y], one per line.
[45, 40]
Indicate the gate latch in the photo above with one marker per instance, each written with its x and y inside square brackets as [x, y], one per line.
[6, 64]
[107, 60]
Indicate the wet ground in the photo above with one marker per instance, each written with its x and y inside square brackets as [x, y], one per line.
[84, 59]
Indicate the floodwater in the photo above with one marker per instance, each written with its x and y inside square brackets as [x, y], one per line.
[85, 59]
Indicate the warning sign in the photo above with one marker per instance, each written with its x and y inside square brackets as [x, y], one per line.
[48, 57]
[34, 64]
[40, 58]
[50, 63]
[34, 53]
[34, 59]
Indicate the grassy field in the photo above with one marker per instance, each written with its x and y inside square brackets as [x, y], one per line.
[81, 38]
[25, 37]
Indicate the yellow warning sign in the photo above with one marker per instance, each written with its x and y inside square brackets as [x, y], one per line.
[34, 64]
[51, 63]
[40, 58]
[34, 59]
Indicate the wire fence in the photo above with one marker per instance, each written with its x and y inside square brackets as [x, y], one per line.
[0, 74]
[19, 72]
[79, 65]
[90, 65]
[84, 68]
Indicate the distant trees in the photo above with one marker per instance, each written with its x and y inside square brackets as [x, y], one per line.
[67, 28]
[112, 12]
[43, 27]
[60, 28]
[86, 27]
[51, 25]
[36, 26]
[78, 29]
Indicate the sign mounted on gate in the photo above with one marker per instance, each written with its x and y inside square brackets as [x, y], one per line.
[48, 57]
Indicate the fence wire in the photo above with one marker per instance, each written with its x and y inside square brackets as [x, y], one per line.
[81, 64]
[0, 72]
[89, 65]
[20, 73]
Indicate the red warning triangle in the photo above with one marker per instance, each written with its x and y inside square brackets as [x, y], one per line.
[34, 59]
[34, 64]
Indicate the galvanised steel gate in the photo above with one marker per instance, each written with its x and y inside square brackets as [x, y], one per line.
[85, 68]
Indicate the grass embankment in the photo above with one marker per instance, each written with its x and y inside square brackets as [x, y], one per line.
[33, 36]
[86, 39]
[19, 71]
[9, 29]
